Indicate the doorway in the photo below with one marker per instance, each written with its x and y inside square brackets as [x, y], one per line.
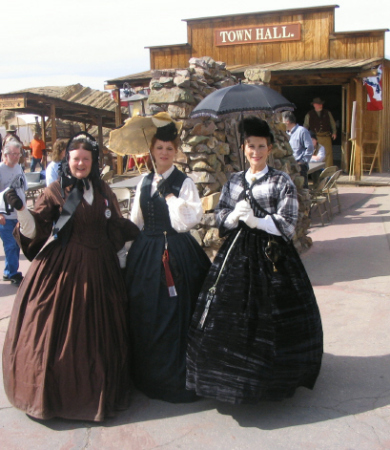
[302, 96]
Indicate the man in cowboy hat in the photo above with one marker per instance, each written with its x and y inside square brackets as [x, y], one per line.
[322, 122]
[12, 136]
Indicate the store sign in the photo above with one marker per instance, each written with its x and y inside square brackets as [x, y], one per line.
[12, 102]
[250, 35]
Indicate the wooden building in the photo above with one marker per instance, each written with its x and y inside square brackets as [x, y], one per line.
[307, 59]
[94, 109]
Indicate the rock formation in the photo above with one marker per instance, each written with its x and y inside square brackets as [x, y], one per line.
[210, 147]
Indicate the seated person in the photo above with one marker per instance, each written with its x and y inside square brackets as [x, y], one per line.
[319, 150]
[318, 156]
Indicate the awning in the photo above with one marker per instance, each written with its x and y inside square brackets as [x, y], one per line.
[351, 66]
[335, 65]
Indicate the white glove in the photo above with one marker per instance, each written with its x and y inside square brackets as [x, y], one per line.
[250, 219]
[241, 209]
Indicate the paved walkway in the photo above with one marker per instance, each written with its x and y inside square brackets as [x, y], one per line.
[349, 407]
[375, 179]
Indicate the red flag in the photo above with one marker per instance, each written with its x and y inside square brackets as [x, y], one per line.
[374, 91]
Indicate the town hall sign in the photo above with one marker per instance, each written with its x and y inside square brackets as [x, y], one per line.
[250, 35]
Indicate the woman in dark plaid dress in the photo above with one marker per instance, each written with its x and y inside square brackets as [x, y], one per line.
[261, 336]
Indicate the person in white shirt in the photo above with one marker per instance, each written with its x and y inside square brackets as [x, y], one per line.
[319, 155]
[57, 155]
[12, 182]
[319, 150]
[164, 273]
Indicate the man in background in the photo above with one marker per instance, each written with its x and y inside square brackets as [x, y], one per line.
[37, 147]
[321, 121]
[300, 142]
[12, 136]
[12, 179]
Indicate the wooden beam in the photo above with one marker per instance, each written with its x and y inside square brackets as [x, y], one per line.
[43, 126]
[53, 123]
[118, 123]
[359, 128]
[368, 73]
[100, 139]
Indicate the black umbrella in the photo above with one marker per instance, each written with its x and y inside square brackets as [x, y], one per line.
[241, 98]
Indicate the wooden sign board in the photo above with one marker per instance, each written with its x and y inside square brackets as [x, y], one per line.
[257, 35]
[12, 102]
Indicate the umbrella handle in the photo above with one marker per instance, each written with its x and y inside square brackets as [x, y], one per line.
[150, 152]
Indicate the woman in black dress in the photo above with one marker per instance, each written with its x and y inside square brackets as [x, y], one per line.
[166, 268]
[256, 332]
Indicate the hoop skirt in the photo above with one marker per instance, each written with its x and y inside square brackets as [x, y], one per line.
[66, 349]
[159, 323]
[262, 337]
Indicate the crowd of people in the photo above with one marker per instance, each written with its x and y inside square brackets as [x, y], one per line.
[93, 318]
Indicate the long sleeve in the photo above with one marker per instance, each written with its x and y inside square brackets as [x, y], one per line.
[307, 143]
[306, 123]
[286, 215]
[136, 212]
[186, 210]
[27, 223]
[274, 193]
[332, 123]
[320, 156]
[232, 192]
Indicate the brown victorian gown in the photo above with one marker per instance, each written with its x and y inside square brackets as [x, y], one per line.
[66, 348]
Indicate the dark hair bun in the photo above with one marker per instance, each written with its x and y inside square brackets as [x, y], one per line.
[254, 126]
[167, 133]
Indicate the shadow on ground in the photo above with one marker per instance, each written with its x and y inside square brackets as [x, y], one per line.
[346, 386]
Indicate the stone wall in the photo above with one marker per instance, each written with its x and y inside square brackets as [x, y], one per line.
[210, 147]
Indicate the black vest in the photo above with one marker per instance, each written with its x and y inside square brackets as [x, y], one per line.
[154, 208]
[320, 123]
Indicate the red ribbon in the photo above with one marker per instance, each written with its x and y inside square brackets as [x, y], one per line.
[168, 274]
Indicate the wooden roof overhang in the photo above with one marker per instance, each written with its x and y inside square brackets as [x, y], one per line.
[329, 71]
[42, 105]
[56, 108]
[136, 79]
[322, 72]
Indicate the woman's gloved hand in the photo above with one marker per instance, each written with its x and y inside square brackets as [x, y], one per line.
[241, 209]
[13, 199]
[250, 219]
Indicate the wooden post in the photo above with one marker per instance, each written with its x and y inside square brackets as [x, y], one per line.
[53, 123]
[43, 127]
[100, 139]
[359, 129]
[118, 123]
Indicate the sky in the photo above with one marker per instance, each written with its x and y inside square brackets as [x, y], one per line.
[58, 43]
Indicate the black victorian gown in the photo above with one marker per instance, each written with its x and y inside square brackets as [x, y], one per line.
[159, 323]
[262, 337]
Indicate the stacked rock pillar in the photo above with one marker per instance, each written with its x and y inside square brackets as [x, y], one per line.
[210, 147]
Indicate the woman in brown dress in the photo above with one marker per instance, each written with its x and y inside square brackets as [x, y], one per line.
[66, 351]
